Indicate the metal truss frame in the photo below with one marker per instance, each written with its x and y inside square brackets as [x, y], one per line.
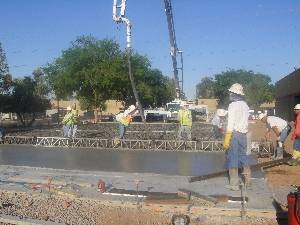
[128, 144]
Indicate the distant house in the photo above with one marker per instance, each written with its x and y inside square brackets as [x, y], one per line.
[112, 107]
[212, 103]
[287, 93]
[268, 107]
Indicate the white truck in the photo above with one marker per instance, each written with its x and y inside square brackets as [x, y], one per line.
[170, 113]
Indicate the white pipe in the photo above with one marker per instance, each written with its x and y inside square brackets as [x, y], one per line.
[122, 18]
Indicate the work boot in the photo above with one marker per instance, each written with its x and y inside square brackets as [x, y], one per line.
[279, 153]
[293, 162]
[247, 176]
[233, 180]
[116, 142]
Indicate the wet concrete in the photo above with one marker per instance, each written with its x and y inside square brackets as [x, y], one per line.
[160, 162]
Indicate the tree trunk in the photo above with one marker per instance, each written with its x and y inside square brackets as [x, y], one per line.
[96, 115]
[57, 111]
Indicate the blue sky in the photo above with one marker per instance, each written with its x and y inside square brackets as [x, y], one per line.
[214, 35]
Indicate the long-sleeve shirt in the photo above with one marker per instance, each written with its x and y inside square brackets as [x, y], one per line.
[274, 121]
[238, 115]
[297, 126]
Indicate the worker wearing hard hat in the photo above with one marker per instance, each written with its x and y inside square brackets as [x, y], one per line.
[74, 127]
[185, 122]
[235, 141]
[67, 123]
[296, 138]
[280, 127]
[218, 122]
[124, 119]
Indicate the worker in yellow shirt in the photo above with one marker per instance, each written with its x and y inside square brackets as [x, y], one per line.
[185, 122]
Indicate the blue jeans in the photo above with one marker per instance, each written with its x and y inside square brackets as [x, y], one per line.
[184, 133]
[296, 145]
[236, 156]
[73, 131]
[66, 131]
[122, 130]
[285, 133]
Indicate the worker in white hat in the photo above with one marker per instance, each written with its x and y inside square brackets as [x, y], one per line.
[281, 129]
[125, 118]
[218, 122]
[296, 138]
[235, 141]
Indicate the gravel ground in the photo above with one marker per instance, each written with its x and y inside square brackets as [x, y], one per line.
[81, 212]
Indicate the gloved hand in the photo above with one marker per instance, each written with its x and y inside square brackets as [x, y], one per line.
[227, 139]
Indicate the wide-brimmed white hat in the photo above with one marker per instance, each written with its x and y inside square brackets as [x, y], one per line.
[131, 108]
[237, 89]
[221, 112]
[262, 115]
[297, 106]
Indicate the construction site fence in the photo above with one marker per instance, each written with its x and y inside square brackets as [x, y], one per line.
[128, 144]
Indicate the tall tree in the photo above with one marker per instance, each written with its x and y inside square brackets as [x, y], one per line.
[25, 102]
[205, 89]
[41, 88]
[97, 70]
[258, 87]
[4, 71]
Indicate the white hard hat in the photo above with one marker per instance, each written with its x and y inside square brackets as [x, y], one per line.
[221, 112]
[262, 115]
[131, 108]
[297, 106]
[237, 89]
[183, 104]
[69, 108]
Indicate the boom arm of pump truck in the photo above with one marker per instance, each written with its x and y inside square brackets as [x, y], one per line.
[174, 49]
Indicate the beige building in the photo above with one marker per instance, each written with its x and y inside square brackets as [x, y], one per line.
[112, 106]
[212, 103]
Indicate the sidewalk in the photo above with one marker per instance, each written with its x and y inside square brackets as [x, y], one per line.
[126, 186]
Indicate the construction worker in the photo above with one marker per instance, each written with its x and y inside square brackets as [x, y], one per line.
[185, 122]
[218, 123]
[296, 138]
[2, 131]
[280, 127]
[125, 119]
[74, 125]
[67, 122]
[235, 141]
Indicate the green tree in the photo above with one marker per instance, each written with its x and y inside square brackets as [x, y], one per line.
[97, 70]
[258, 87]
[25, 102]
[205, 89]
[89, 68]
[41, 88]
[5, 77]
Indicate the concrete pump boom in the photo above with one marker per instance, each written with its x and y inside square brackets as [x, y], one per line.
[174, 49]
[119, 17]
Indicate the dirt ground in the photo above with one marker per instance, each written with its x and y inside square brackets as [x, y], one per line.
[93, 212]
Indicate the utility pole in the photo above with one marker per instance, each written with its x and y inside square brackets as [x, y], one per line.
[122, 19]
